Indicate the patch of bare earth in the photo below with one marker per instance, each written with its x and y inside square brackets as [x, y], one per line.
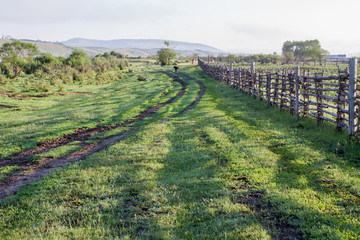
[33, 171]
[269, 215]
[6, 106]
[21, 96]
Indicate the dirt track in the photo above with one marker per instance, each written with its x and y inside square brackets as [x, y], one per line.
[33, 171]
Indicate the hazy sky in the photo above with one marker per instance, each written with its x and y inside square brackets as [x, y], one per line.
[248, 26]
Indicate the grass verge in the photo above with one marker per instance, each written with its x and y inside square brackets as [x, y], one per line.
[231, 168]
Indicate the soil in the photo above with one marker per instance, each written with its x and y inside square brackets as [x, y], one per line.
[280, 227]
[34, 171]
[6, 106]
[21, 96]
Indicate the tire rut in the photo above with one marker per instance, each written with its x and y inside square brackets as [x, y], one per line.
[22, 178]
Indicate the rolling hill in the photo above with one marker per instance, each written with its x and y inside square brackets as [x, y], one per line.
[139, 44]
[128, 47]
[55, 48]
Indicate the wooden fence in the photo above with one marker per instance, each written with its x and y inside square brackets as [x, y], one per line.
[334, 98]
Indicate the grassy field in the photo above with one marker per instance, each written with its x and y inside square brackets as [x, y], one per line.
[231, 168]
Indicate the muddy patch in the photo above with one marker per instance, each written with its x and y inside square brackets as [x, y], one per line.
[6, 106]
[33, 171]
[22, 96]
[269, 215]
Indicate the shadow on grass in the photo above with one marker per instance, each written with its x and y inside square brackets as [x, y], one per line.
[298, 170]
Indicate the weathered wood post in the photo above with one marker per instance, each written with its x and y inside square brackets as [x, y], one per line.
[252, 79]
[319, 99]
[222, 73]
[297, 93]
[231, 74]
[239, 79]
[352, 90]
[268, 88]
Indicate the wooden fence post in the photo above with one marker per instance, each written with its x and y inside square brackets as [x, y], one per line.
[319, 100]
[222, 73]
[239, 79]
[297, 92]
[352, 90]
[252, 78]
[231, 74]
[268, 88]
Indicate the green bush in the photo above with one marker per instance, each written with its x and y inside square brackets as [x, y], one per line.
[142, 78]
[41, 86]
[3, 80]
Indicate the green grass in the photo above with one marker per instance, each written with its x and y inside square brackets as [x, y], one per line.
[231, 168]
[40, 119]
[6, 171]
[58, 152]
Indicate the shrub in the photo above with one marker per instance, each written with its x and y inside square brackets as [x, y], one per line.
[42, 86]
[142, 78]
[3, 80]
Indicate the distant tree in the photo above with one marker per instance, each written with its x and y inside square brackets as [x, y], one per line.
[106, 54]
[118, 55]
[275, 58]
[47, 58]
[15, 56]
[264, 58]
[165, 55]
[288, 57]
[220, 58]
[78, 60]
[232, 57]
[167, 43]
[43, 61]
[300, 50]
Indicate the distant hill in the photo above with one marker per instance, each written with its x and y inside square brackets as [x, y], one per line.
[127, 47]
[56, 49]
[139, 44]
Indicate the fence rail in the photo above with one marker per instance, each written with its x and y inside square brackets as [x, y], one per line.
[333, 98]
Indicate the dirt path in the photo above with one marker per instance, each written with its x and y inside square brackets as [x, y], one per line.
[22, 96]
[33, 171]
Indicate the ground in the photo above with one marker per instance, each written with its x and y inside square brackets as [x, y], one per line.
[192, 159]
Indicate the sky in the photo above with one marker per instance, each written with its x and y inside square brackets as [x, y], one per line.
[243, 26]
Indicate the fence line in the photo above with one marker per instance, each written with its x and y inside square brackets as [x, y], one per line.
[333, 98]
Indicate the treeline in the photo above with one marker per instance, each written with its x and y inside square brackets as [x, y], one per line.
[19, 58]
[261, 58]
[303, 50]
[292, 52]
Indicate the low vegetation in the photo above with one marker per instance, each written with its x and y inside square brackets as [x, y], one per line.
[231, 168]
[24, 69]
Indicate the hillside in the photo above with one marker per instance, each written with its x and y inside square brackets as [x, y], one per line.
[138, 44]
[55, 48]
[127, 47]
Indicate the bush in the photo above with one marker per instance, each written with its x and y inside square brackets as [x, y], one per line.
[42, 86]
[142, 78]
[3, 80]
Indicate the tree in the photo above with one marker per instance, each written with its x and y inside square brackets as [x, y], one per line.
[288, 57]
[118, 55]
[167, 44]
[78, 60]
[165, 55]
[232, 57]
[43, 61]
[15, 56]
[300, 50]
